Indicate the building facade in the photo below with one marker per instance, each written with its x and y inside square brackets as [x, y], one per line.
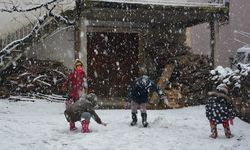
[116, 38]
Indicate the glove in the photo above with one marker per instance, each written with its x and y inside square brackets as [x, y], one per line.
[104, 124]
[127, 105]
[68, 102]
[164, 100]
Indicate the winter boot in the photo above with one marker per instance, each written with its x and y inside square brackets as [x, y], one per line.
[72, 126]
[227, 130]
[214, 133]
[85, 126]
[144, 119]
[213, 130]
[134, 119]
[228, 133]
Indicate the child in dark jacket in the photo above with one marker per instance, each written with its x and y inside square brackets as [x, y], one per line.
[138, 97]
[219, 110]
[83, 110]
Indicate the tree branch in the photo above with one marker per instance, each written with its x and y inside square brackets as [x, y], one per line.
[16, 9]
[7, 49]
[61, 19]
[14, 44]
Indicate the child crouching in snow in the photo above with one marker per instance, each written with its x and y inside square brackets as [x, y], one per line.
[82, 110]
[219, 110]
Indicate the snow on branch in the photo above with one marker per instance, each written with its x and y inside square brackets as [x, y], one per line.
[61, 18]
[36, 28]
[233, 78]
[8, 48]
[38, 77]
[43, 82]
[16, 9]
[59, 72]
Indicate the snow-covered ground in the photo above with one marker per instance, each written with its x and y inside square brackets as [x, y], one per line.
[41, 125]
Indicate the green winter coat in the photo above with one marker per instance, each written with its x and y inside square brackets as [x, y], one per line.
[85, 104]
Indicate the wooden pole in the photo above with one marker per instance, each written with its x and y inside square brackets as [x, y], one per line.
[80, 34]
[214, 37]
[77, 34]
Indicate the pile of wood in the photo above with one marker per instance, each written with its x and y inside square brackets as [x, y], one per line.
[193, 78]
[185, 79]
[29, 76]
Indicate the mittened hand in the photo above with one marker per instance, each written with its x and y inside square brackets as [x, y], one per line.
[127, 105]
[104, 124]
[68, 102]
[164, 100]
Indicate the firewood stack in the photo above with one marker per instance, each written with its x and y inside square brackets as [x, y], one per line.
[185, 78]
[30, 76]
[193, 78]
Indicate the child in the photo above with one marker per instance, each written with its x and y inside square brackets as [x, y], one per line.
[82, 110]
[75, 82]
[219, 110]
[138, 96]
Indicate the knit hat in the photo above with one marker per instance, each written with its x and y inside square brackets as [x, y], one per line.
[222, 88]
[92, 98]
[78, 62]
[142, 70]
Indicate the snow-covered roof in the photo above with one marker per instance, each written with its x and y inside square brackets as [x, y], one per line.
[12, 21]
[165, 2]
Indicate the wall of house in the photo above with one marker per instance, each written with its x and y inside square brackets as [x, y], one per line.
[229, 37]
[58, 46]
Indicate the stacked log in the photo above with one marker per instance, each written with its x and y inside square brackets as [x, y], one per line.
[185, 78]
[30, 76]
[193, 78]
